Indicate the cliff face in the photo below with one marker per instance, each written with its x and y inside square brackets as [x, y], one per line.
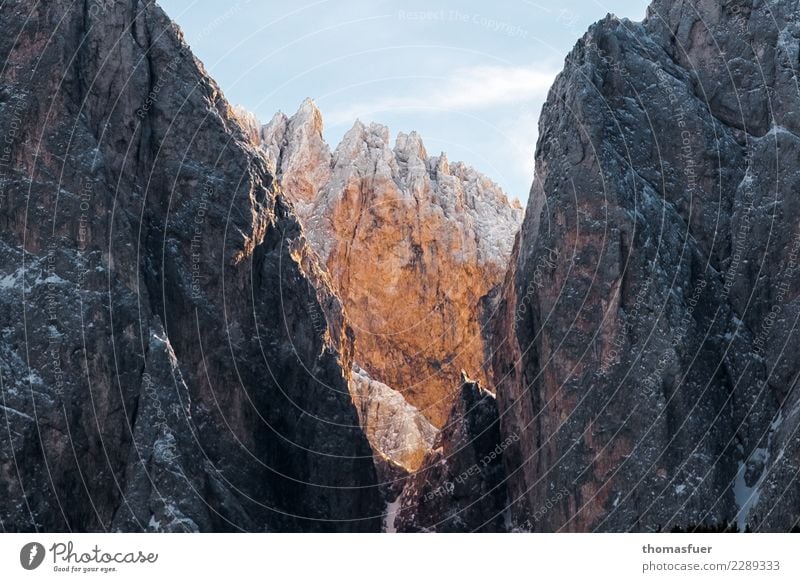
[645, 349]
[413, 245]
[460, 487]
[173, 357]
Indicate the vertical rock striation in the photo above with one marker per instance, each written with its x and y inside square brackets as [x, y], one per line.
[460, 487]
[645, 346]
[172, 356]
[184, 349]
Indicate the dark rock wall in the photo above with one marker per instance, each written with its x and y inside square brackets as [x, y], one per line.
[172, 357]
[646, 345]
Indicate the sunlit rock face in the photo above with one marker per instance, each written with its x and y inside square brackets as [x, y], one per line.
[299, 155]
[398, 432]
[413, 243]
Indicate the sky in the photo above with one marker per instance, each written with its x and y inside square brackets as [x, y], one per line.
[469, 76]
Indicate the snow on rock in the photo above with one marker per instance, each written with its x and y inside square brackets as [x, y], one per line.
[391, 512]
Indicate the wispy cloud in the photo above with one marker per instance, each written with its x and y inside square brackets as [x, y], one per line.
[464, 89]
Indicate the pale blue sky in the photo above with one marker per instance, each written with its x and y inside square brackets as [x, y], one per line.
[470, 76]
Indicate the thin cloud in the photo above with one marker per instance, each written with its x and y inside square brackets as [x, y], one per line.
[464, 89]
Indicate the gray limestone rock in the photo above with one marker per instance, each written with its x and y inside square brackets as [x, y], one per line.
[646, 346]
[171, 357]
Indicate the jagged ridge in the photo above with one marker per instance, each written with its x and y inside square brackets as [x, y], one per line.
[414, 245]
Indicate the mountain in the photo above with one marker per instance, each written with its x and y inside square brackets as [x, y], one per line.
[644, 344]
[213, 325]
[173, 356]
[414, 246]
[646, 356]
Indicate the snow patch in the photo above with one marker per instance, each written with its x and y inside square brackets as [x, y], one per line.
[746, 497]
[392, 509]
[17, 413]
[154, 524]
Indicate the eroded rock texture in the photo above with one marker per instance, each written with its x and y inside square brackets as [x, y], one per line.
[647, 347]
[398, 433]
[173, 358]
[413, 245]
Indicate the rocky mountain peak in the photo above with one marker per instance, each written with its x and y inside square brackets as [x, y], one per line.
[172, 339]
[297, 152]
[412, 242]
[249, 122]
[440, 165]
[308, 118]
[410, 150]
